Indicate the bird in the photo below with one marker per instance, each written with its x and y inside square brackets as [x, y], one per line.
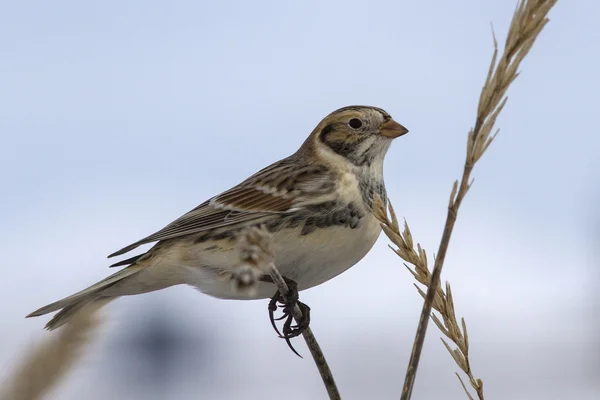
[317, 205]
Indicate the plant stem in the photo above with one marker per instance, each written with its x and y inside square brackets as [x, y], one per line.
[415, 355]
[309, 338]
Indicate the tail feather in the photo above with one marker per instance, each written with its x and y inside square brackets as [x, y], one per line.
[63, 316]
[72, 304]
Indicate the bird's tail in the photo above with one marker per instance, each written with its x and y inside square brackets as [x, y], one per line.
[92, 298]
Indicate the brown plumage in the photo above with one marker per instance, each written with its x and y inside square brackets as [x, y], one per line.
[316, 203]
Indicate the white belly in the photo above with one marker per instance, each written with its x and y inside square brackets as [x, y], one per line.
[324, 253]
[309, 259]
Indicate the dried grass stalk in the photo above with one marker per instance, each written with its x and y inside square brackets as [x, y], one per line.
[528, 21]
[443, 301]
[45, 365]
[256, 254]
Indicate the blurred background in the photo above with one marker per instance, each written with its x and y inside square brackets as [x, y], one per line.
[117, 117]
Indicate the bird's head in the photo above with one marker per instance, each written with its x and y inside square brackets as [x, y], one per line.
[360, 134]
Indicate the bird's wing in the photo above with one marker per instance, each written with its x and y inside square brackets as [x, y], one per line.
[283, 187]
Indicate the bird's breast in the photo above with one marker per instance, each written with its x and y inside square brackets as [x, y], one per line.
[326, 251]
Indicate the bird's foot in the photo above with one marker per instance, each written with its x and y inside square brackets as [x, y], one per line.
[287, 304]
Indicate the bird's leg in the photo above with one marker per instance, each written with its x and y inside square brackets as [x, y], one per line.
[287, 303]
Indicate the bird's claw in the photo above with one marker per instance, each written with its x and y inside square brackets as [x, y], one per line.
[287, 305]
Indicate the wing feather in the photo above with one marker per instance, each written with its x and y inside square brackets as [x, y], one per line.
[282, 187]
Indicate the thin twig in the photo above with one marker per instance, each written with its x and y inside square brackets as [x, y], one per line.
[528, 21]
[309, 338]
[256, 256]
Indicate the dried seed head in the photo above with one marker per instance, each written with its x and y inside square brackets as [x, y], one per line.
[255, 248]
[244, 279]
[255, 254]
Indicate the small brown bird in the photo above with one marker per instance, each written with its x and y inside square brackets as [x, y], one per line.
[316, 203]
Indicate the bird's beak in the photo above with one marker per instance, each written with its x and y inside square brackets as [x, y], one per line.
[391, 129]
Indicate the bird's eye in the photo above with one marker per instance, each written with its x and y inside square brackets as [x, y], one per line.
[355, 123]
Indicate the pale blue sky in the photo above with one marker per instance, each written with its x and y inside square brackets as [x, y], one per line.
[117, 117]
